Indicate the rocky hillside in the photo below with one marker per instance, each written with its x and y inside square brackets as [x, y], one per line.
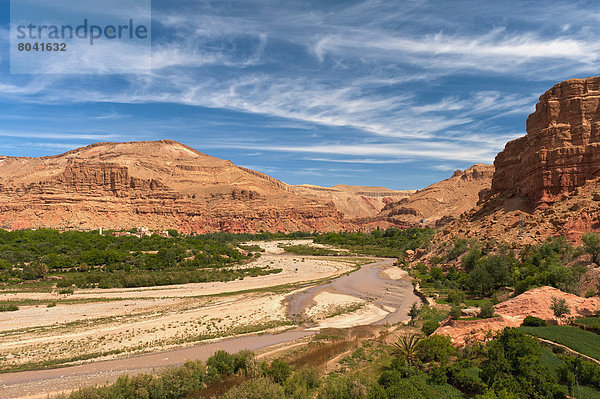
[355, 201]
[511, 313]
[158, 185]
[444, 201]
[548, 182]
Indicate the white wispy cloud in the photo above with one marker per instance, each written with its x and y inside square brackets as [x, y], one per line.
[361, 67]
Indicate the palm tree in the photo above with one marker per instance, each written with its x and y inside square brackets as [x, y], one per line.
[407, 347]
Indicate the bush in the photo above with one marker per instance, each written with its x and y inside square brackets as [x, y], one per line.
[487, 310]
[429, 327]
[8, 307]
[560, 307]
[456, 297]
[456, 312]
[343, 388]
[436, 348]
[279, 371]
[260, 388]
[222, 363]
[532, 321]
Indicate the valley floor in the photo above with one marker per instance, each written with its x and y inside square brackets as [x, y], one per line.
[115, 324]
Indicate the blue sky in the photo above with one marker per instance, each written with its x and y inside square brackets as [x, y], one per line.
[386, 93]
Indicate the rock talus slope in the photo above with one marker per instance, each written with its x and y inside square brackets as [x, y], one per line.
[158, 185]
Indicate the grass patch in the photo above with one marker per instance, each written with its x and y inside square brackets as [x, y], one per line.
[589, 323]
[8, 307]
[574, 338]
[309, 250]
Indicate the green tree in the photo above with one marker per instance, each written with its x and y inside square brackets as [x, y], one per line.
[490, 273]
[559, 307]
[513, 368]
[407, 348]
[591, 245]
[35, 270]
[413, 313]
[279, 371]
[456, 312]
[456, 297]
[222, 362]
[436, 348]
[429, 327]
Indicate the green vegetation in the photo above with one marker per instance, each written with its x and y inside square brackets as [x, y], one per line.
[559, 307]
[309, 250]
[8, 307]
[581, 341]
[591, 244]
[491, 270]
[512, 365]
[588, 323]
[88, 259]
[387, 243]
[532, 321]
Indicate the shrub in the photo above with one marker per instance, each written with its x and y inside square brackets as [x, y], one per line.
[279, 371]
[559, 307]
[456, 297]
[436, 348]
[8, 307]
[429, 327]
[260, 388]
[222, 363]
[343, 388]
[487, 310]
[532, 321]
[456, 312]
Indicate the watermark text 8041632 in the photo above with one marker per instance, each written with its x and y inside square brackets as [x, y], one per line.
[42, 47]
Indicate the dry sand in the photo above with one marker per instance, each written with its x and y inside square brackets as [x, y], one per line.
[155, 318]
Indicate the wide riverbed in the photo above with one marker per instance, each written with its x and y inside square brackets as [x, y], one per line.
[387, 293]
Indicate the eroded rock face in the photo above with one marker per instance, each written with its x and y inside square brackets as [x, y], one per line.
[158, 185]
[561, 150]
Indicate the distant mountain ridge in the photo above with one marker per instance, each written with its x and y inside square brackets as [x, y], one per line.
[165, 184]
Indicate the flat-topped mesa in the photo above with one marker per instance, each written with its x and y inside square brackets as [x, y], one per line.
[561, 150]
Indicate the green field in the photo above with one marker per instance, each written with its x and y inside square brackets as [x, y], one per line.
[581, 341]
[589, 322]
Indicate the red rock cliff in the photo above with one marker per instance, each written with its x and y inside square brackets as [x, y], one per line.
[561, 150]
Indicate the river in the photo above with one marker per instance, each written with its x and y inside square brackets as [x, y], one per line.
[370, 283]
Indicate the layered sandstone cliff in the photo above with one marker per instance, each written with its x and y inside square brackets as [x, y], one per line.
[444, 201]
[158, 185]
[561, 150]
[546, 183]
